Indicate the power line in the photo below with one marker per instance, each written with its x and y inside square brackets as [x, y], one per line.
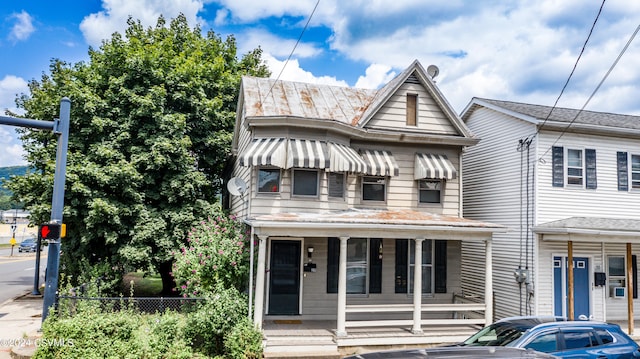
[294, 49]
[615, 63]
[575, 65]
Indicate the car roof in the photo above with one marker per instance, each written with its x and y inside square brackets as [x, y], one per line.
[527, 322]
[479, 352]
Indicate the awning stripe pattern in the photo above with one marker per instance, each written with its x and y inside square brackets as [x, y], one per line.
[308, 154]
[265, 152]
[429, 165]
[345, 159]
[380, 163]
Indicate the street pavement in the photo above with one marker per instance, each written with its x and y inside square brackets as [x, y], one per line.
[20, 323]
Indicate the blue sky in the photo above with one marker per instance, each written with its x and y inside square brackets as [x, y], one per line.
[503, 49]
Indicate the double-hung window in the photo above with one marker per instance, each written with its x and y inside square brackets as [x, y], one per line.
[635, 171]
[575, 167]
[430, 191]
[268, 180]
[336, 184]
[374, 188]
[364, 265]
[433, 266]
[305, 182]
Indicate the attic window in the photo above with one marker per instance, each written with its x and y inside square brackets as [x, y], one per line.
[412, 109]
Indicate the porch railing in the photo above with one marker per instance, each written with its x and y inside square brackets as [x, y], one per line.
[461, 313]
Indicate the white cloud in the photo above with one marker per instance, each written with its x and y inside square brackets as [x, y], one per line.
[293, 72]
[10, 86]
[274, 45]
[113, 18]
[221, 17]
[11, 153]
[375, 76]
[23, 28]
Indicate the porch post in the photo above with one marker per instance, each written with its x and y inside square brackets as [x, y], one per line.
[341, 330]
[571, 299]
[258, 309]
[417, 287]
[629, 289]
[488, 287]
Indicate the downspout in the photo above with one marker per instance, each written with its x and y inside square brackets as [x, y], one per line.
[460, 191]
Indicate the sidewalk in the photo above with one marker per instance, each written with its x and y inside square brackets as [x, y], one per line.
[20, 322]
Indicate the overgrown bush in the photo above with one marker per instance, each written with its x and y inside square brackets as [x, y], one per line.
[92, 334]
[216, 255]
[207, 327]
[244, 341]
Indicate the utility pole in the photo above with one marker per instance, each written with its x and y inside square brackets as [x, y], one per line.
[61, 128]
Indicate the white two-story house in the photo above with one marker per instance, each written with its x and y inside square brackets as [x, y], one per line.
[567, 185]
[353, 197]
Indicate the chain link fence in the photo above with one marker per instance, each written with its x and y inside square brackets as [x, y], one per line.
[68, 304]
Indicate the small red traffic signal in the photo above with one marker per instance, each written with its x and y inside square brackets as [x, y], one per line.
[50, 231]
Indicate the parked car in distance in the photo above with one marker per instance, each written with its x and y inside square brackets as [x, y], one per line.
[479, 352]
[28, 245]
[559, 337]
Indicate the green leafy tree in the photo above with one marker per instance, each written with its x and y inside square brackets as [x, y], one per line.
[152, 117]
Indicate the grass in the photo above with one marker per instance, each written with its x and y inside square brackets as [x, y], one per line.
[143, 286]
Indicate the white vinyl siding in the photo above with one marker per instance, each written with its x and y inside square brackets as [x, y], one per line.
[491, 183]
[430, 118]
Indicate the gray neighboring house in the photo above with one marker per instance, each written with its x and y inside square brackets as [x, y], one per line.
[567, 184]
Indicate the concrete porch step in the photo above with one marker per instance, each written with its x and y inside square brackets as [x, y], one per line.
[301, 347]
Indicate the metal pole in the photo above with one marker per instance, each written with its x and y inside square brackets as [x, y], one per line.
[36, 277]
[57, 204]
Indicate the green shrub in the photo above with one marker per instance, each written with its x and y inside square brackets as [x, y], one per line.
[125, 334]
[216, 255]
[244, 341]
[206, 328]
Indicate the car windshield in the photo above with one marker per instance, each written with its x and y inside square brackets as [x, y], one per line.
[497, 334]
[29, 240]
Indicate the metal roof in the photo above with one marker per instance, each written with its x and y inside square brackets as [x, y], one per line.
[266, 97]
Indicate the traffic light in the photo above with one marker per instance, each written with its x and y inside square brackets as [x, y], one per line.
[50, 231]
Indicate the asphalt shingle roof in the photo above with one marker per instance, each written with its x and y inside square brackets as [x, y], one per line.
[566, 115]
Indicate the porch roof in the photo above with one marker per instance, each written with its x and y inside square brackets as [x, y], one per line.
[590, 229]
[373, 223]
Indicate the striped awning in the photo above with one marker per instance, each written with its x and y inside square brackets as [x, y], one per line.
[308, 154]
[345, 159]
[380, 163]
[433, 166]
[265, 152]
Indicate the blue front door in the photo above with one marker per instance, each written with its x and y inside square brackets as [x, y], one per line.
[581, 292]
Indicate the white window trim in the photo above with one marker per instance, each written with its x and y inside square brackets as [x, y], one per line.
[258, 181]
[630, 171]
[583, 168]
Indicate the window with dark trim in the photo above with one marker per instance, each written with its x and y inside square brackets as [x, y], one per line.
[412, 109]
[305, 182]
[364, 265]
[434, 266]
[268, 180]
[374, 188]
[336, 184]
